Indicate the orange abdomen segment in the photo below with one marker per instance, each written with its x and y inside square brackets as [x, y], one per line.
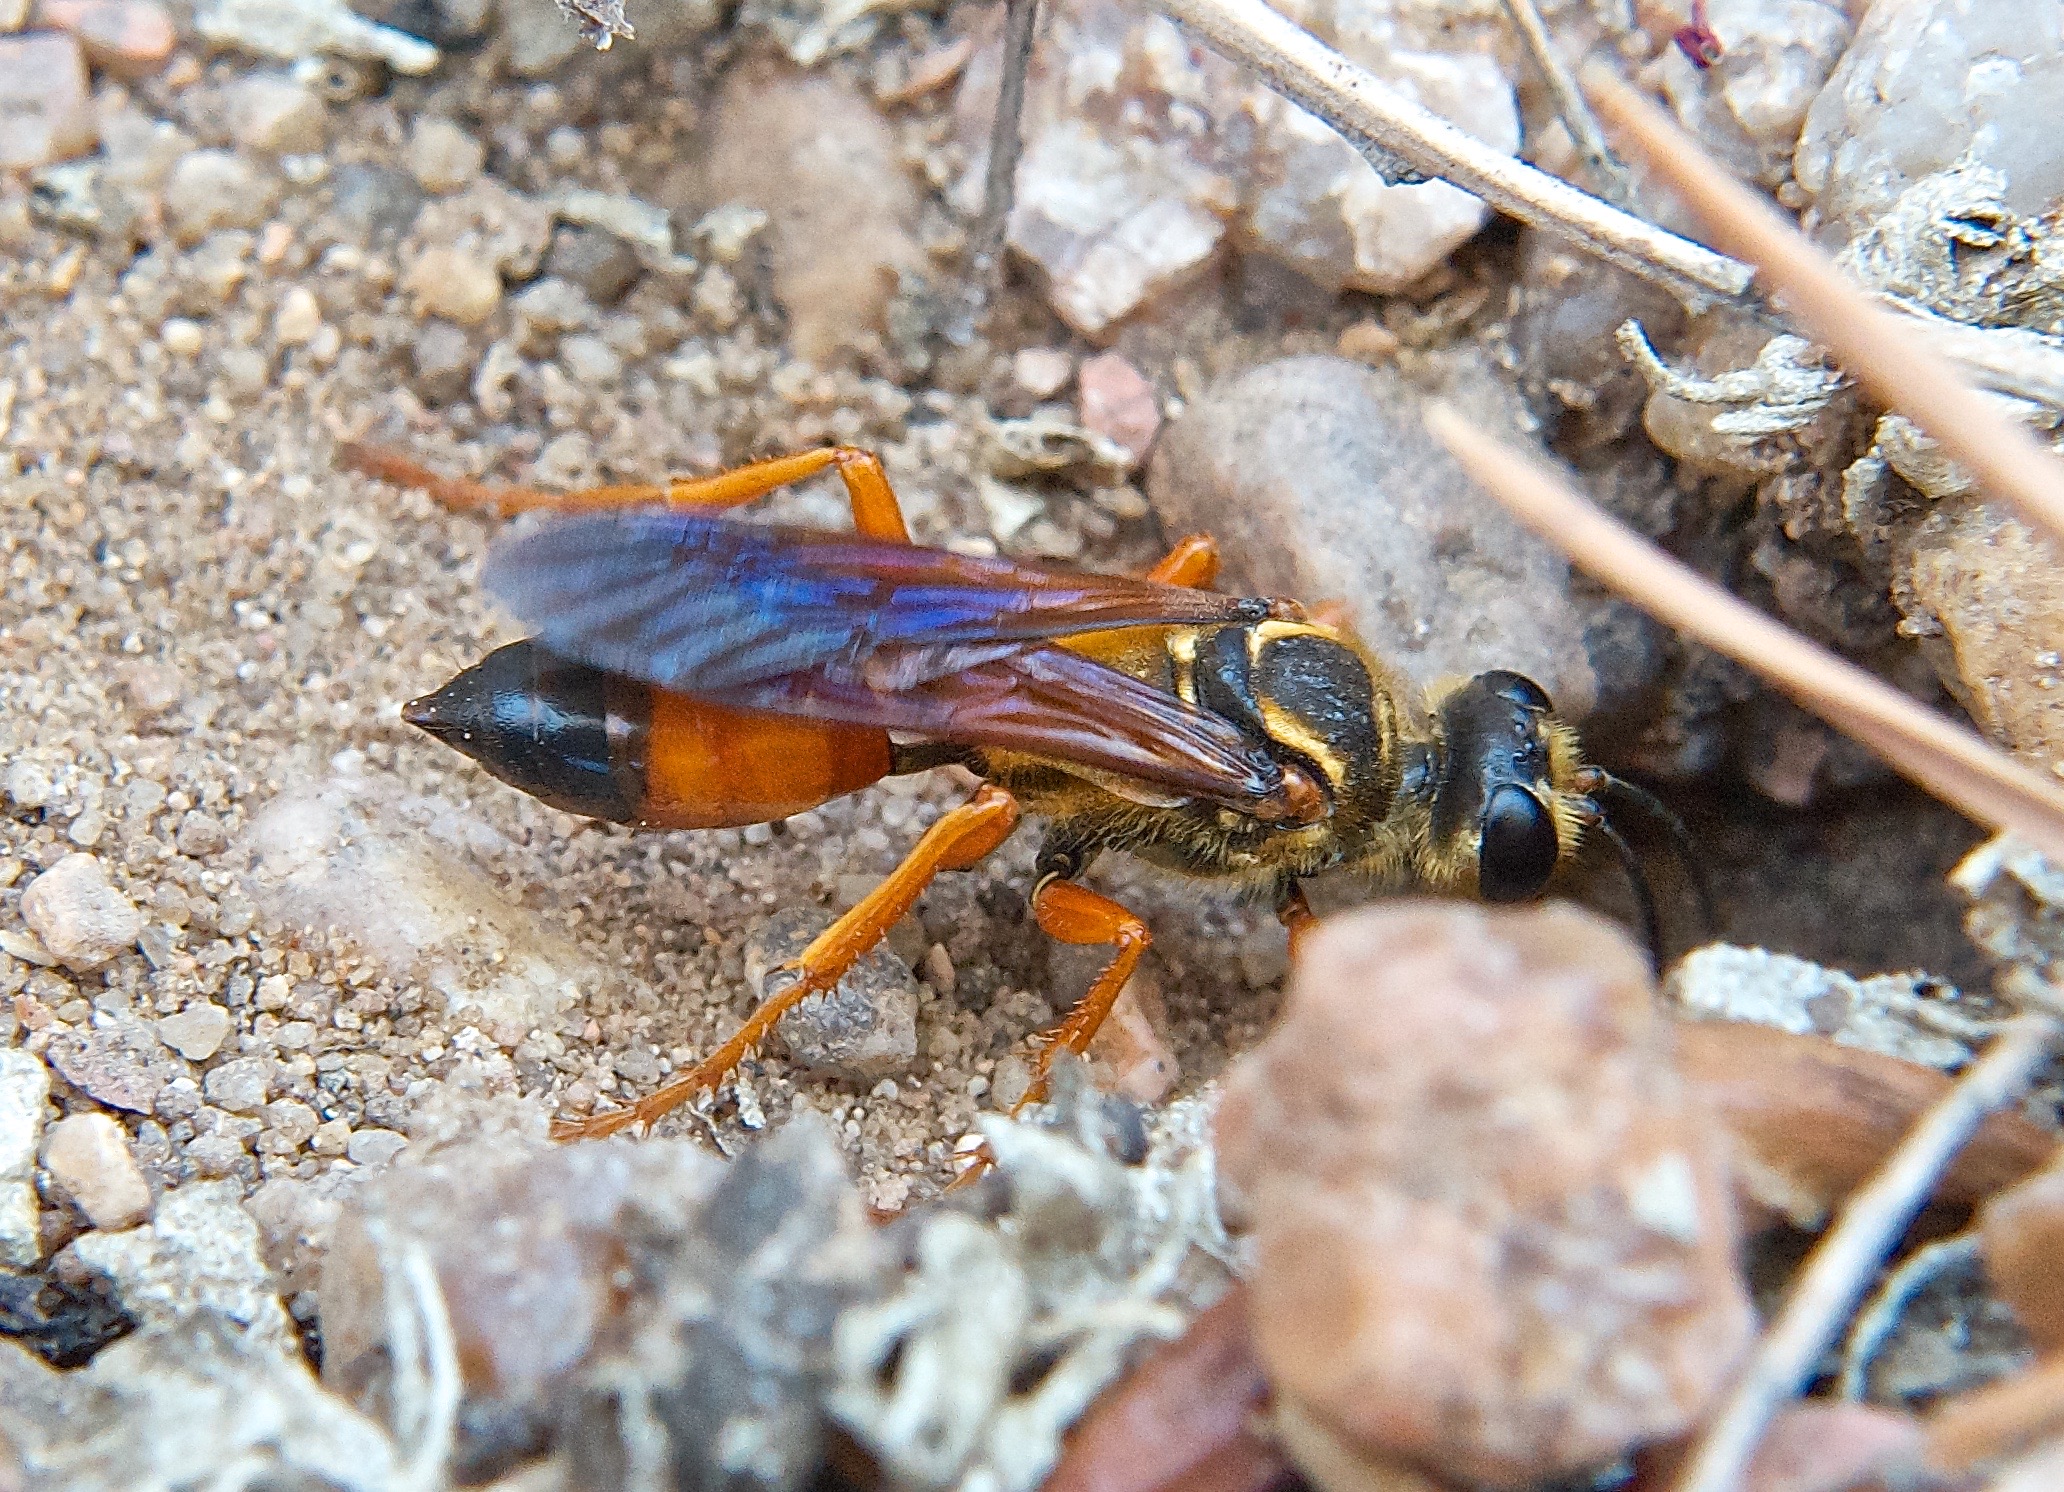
[711, 767]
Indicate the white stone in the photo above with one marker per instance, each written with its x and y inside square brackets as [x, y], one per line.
[24, 1095]
[197, 1032]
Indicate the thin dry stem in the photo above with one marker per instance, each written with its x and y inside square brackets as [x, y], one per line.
[1836, 1274]
[1389, 128]
[1872, 343]
[1570, 103]
[1949, 760]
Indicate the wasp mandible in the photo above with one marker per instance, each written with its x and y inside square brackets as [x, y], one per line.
[690, 672]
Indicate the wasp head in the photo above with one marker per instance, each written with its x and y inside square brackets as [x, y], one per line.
[1511, 784]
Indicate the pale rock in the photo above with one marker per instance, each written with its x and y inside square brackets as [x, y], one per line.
[1931, 84]
[43, 100]
[487, 220]
[374, 1147]
[1748, 107]
[298, 318]
[24, 1098]
[200, 1253]
[1914, 1017]
[240, 1085]
[1041, 372]
[291, 30]
[1494, 1237]
[816, 156]
[353, 855]
[442, 156]
[211, 189]
[461, 287]
[863, 1029]
[275, 113]
[197, 1032]
[76, 914]
[1321, 483]
[87, 1156]
[1312, 201]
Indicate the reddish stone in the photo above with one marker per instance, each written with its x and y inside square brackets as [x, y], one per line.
[1494, 1236]
[128, 38]
[1115, 401]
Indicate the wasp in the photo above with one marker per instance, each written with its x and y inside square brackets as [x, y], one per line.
[688, 671]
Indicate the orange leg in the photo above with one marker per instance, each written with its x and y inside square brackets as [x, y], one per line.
[1297, 917]
[1075, 914]
[876, 513]
[1192, 562]
[959, 839]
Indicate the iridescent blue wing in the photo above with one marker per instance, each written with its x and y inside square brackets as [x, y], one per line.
[921, 641]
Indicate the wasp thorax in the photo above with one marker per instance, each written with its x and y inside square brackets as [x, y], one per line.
[1496, 784]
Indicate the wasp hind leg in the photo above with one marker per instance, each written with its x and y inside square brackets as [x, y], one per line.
[1191, 562]
[959, 839]
[876, 512]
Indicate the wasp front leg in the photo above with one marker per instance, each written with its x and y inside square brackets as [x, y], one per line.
[876, 512]
[959, 839]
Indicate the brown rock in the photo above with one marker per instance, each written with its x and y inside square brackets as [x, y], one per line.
[1185, 1419]
[1115, 400]
[1995, 591]
[2021, 1235]
[1812, 1119]
[1493, 1230]
[46, 113]
[1319, 480]
[128, 38]
[815, 155]
[1812, 1447]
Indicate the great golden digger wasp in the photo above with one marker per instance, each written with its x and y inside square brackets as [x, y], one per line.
[691, 672]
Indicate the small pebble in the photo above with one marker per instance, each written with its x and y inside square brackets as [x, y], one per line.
[444, 359]
[600, 263]
[44, 102]
[273, 113]
[211, 189]
[1116, 401]
[200, 836]
[182, 338]
[128, 39]
[87, 1155]
[77, 915]
[455, 284]
[331, 1137]
[1041, 372]
[197, 1032]
[298, 318]
[373, 1147]
[442, 156]
[589, 361]
[241, 1085]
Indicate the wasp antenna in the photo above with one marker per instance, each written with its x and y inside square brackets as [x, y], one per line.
[1637, 882]
[1618, 791]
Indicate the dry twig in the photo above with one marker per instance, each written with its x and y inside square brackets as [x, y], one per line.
[1949, 760]
[1570, 103]
[1835, 1274]
[1872, 343]
[1394, 132]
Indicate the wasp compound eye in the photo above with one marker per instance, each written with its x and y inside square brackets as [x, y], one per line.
[1519, 848]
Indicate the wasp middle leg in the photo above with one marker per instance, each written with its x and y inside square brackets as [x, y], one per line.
[876, 512]
[960, 838]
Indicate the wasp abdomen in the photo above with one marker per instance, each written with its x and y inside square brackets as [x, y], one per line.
[608, 747]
